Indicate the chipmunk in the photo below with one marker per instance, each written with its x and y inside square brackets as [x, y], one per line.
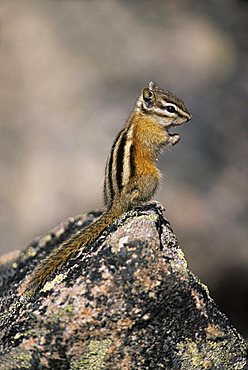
[131, 177]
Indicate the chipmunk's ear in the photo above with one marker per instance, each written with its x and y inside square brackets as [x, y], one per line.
[153, 86]
[148, 97]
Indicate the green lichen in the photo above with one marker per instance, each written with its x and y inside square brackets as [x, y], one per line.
[94, 359]
[18, 336]
[153, 217]
[61, 312]
[50, 284]
[16, 359]
[28, 333]
[209, 355]
[30, 252]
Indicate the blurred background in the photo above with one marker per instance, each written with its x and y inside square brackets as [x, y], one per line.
[70, 74]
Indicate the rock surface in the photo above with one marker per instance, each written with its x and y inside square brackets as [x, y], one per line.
[128, 301]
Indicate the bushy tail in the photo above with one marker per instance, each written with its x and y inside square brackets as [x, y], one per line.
[66, 250]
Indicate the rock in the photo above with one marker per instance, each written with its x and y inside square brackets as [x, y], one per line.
[128, 301]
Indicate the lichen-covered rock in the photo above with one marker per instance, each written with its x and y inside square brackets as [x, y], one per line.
[128, 301]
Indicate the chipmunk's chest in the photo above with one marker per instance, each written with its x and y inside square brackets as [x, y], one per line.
[144, 164]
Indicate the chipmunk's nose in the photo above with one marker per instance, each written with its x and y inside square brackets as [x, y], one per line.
[189, 117]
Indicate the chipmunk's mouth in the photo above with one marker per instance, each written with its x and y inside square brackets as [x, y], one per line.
[169, 128]
[172, 137]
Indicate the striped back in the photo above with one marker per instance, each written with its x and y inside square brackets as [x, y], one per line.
[120, 165]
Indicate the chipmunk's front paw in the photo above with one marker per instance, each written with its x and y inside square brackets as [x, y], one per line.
[173, 139]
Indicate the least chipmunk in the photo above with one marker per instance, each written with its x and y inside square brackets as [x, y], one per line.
[131, 176]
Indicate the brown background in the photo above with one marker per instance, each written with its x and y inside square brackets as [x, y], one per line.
[70, 74]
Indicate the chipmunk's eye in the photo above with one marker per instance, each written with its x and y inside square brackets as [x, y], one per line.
[170, 108]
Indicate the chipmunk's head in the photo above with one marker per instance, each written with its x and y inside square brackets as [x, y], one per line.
[162, 106]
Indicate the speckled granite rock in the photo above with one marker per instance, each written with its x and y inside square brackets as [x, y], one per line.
[128, 301]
